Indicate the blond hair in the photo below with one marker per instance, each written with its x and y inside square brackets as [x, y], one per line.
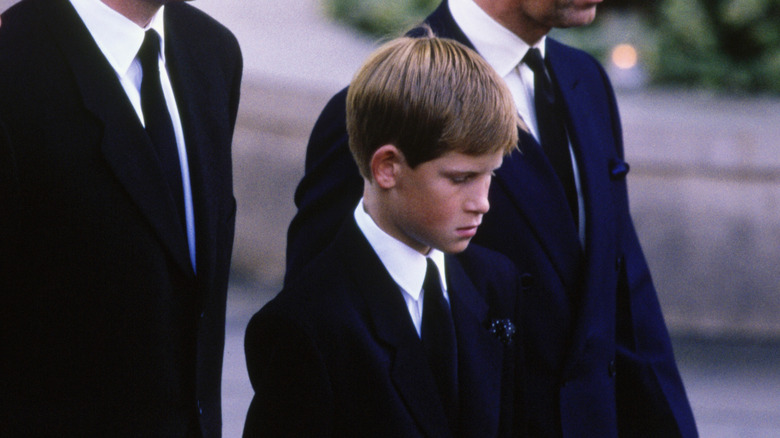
[428, 96]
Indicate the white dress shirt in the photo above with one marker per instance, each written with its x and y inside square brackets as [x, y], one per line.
[406, 266]
[120, 39]
[504, 51]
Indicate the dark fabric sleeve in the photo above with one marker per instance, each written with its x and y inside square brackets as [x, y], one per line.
[650, 396]
[329, 191]
[9, 200]
[292, 389]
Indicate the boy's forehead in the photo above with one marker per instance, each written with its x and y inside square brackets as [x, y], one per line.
[460, 161]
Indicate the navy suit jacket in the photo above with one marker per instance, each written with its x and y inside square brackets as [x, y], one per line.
[335, 354]
[105, 329]
[598, 354]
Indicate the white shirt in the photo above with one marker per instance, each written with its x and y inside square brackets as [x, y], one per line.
[406, 266]
[120, 39]
[504, 51]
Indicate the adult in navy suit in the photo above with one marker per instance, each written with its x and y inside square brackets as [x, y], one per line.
[113, 311]
[336, 355]
[599, 357]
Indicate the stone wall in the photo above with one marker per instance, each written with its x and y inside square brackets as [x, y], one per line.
[705, 193]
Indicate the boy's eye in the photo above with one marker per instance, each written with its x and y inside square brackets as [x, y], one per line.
[460, 179]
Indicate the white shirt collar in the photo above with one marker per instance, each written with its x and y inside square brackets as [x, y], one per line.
[406, 266]
[501, 48]
[117, 36]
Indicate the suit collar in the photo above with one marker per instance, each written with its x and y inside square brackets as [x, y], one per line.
[125, 145]
[118, 37]
[479, 353]
[406, 266]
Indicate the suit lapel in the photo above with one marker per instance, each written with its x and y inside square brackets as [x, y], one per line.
[390, 317]
[480, 357]
[189, 73]
[589, 131]
[528, 179]
[124, 144]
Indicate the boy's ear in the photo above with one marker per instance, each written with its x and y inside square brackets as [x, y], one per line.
[385, 165]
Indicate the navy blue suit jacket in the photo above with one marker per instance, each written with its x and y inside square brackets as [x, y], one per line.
[105, 329]
[335, 354]
[599, 358]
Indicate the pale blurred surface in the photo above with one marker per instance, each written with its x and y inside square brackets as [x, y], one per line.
[705, 195]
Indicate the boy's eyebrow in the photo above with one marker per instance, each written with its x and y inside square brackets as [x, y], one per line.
[472, 168]
[464, 171]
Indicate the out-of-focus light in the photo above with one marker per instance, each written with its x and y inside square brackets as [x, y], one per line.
[624, 56]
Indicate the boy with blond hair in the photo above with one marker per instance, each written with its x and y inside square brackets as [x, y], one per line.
[389, 333]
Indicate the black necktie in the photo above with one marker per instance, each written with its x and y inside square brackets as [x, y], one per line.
[158, 119]
[550, 117]
[438, 340]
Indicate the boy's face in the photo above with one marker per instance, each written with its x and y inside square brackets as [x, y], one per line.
[440, 203]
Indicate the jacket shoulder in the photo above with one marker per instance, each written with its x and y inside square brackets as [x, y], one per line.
[22, 28]
[495, 276]
[579, 63]
[570, 53]
[320, 293]
[181, 12]
[201, 30]
[479, 261]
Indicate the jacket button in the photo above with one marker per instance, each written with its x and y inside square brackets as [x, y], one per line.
[619, 263]
[526, 280]
[612, 368]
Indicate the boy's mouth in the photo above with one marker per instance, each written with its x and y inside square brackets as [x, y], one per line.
[468, 231]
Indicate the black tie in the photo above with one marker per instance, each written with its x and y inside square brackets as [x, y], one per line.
[158, 119]
[438, 340]
[552, 130]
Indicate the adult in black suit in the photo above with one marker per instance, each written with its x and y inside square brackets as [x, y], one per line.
[112, 322]
[598, 354]
[336, 355]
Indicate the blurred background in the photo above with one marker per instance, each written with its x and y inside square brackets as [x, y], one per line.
[698, 85]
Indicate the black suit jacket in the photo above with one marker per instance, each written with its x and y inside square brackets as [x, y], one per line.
[336, 354]
[105, 329]
[599, 358]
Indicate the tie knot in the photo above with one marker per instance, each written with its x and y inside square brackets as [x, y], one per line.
[432, 281]
[149, 53]
[533, 58]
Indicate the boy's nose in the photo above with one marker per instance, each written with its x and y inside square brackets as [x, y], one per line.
[479, 202]
[482, 204]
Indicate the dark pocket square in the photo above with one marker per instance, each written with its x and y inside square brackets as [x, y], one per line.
[618, 169]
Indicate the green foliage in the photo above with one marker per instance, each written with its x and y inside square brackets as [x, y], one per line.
[381, 18]
[731, 45]
[727, 45]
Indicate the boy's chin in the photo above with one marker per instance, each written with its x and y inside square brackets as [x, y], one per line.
[456, 247]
